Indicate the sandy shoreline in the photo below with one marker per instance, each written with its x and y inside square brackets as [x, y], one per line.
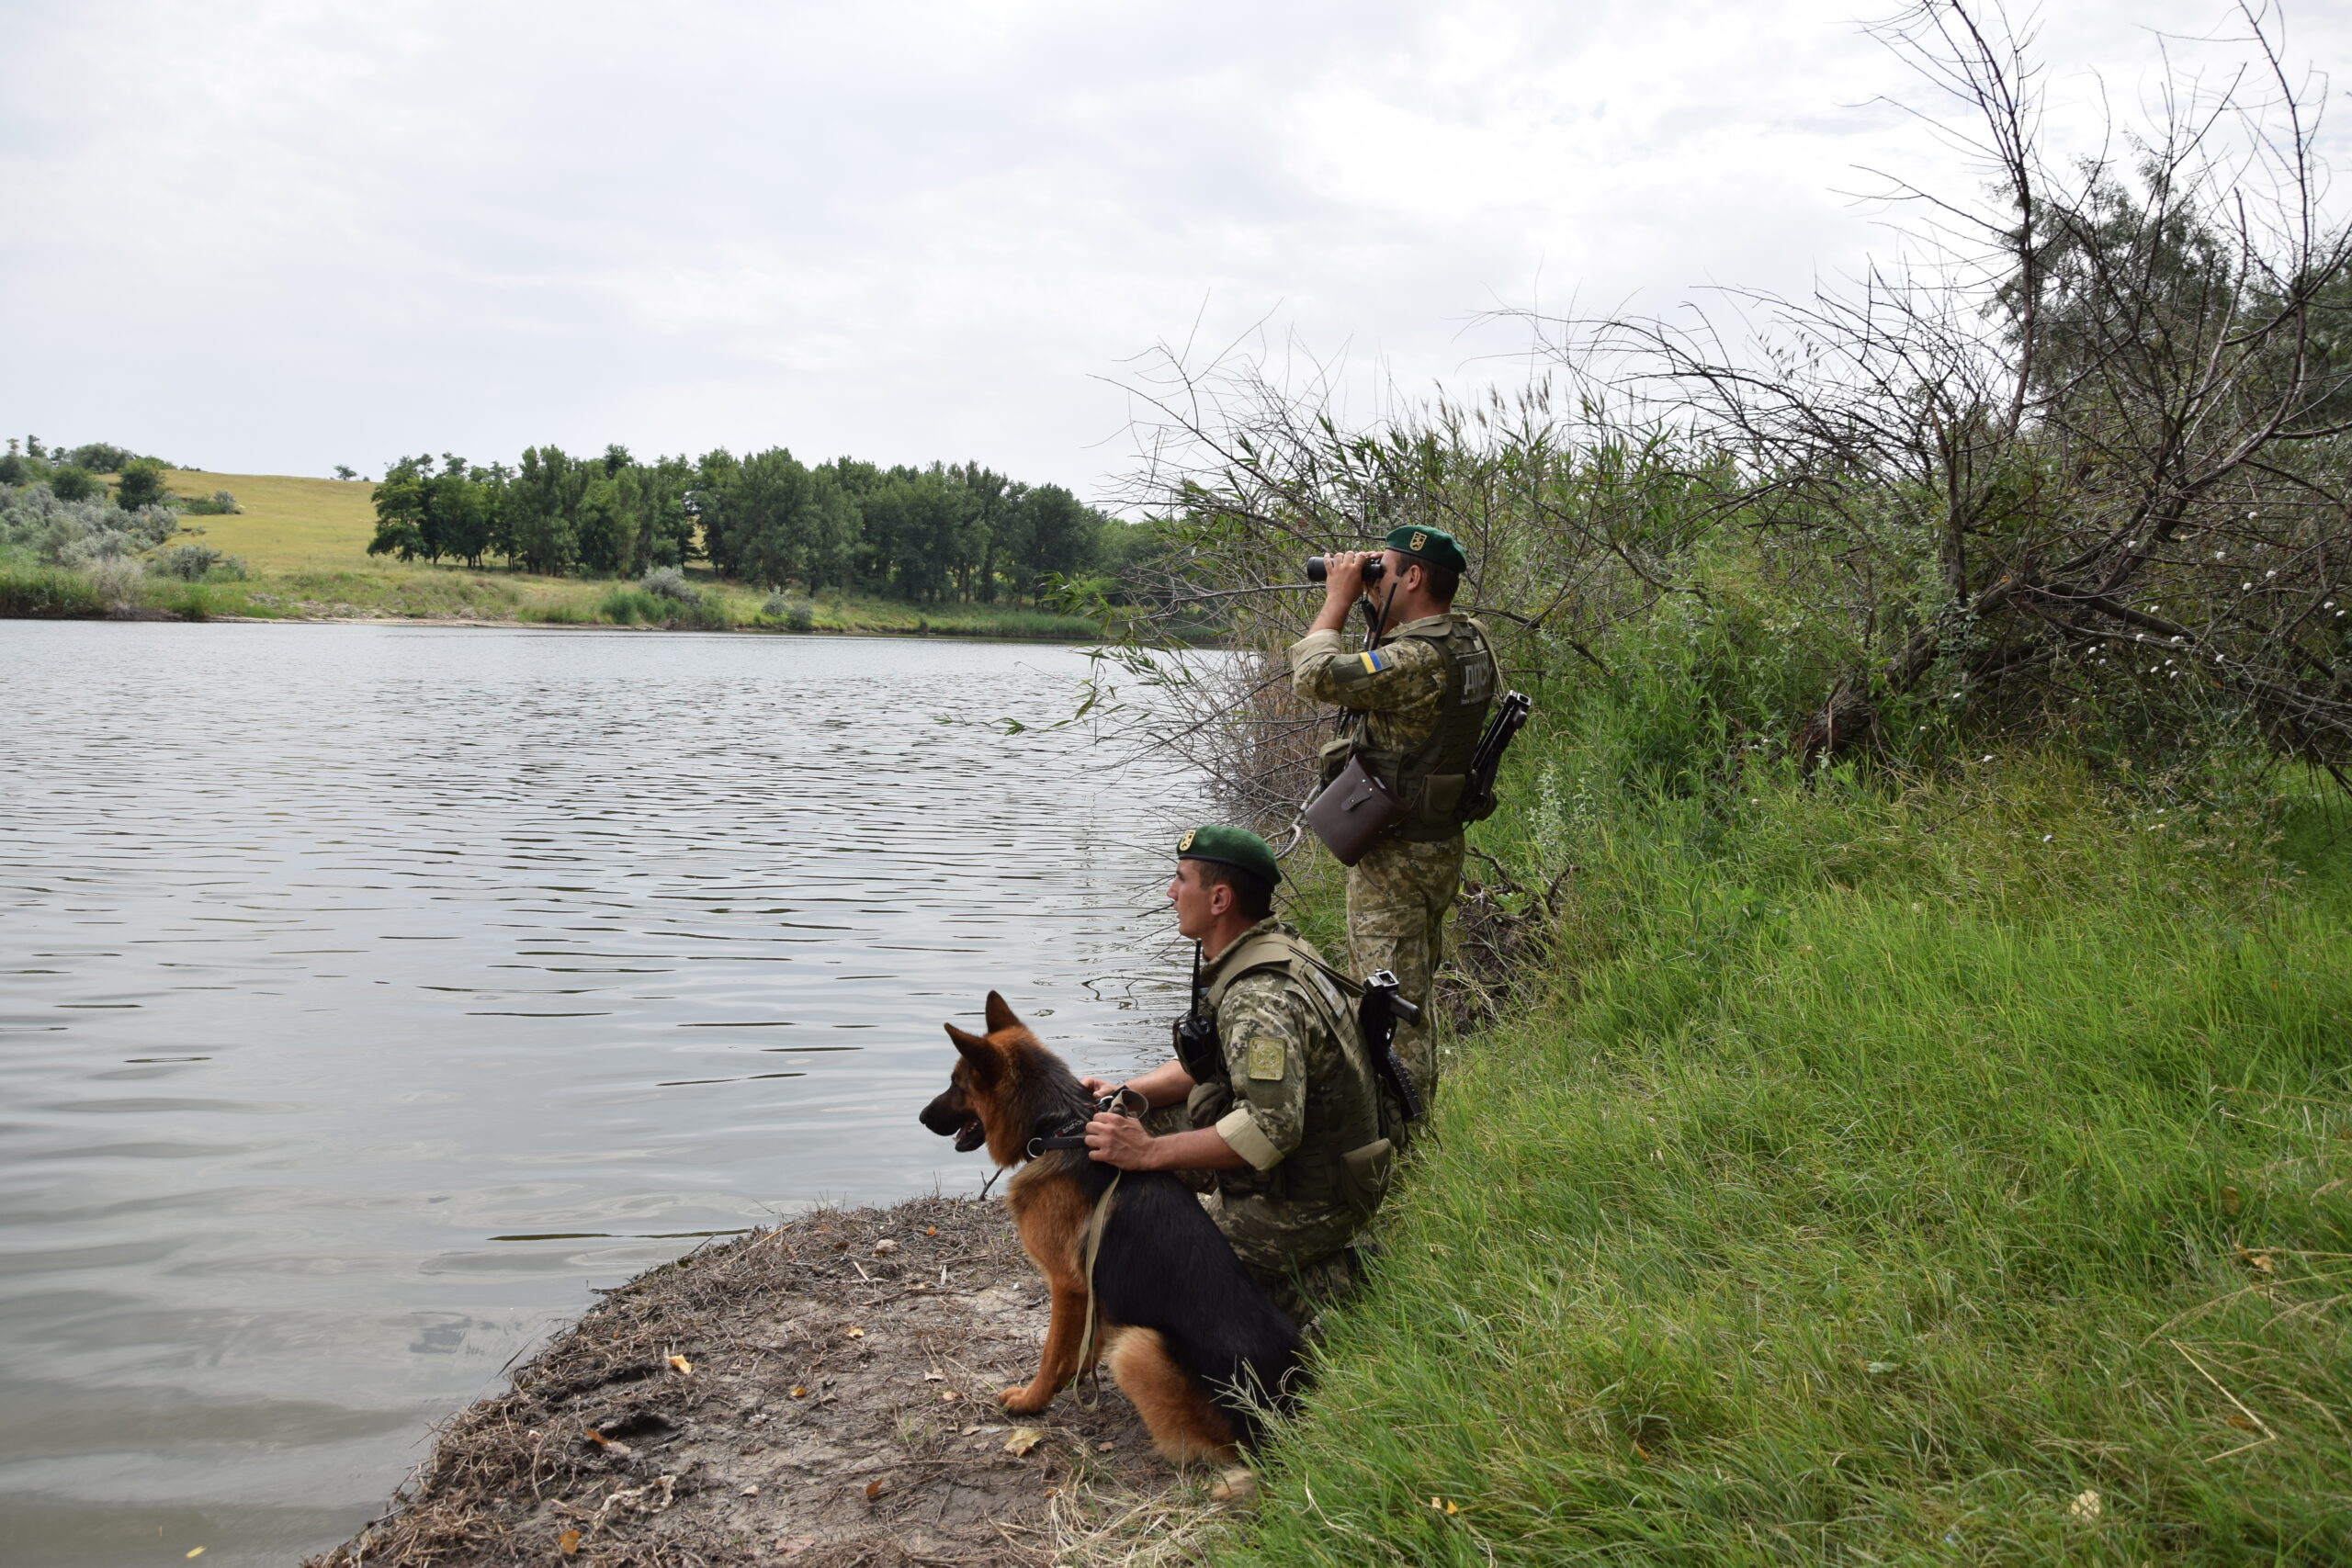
[839, 1408]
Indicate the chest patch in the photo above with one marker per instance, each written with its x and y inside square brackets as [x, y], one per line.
[1268, 1060]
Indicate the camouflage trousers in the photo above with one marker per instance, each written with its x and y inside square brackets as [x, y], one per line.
[1399, 896]
[1297, 1252]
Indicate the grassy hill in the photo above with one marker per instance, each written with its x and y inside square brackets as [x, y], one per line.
[289, 524]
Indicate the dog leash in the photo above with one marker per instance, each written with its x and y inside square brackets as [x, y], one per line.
[1095, 1223]
[1072, 1136]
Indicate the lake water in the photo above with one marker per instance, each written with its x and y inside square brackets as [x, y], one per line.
[367, 995]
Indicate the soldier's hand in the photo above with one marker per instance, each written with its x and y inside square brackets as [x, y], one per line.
[1096, 1087]
[1343, 579]
[1119, 1140]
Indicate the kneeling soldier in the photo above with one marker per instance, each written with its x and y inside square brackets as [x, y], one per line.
[1271, 1100]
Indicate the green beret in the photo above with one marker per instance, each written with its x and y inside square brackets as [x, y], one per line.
[1236, 847]
[1432, 544]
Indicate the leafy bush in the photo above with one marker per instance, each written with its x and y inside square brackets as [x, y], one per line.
[626, 606]
[669, 583]
[141, 485]
[86, 552]
[76, 533]
[797, 615]
[707, 612]
[116, 581]
[71, 483]
[194, 563]
[221, 503]
[105, 457]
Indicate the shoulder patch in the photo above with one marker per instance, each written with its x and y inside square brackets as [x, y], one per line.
[1268, 1058]
[1373, 662]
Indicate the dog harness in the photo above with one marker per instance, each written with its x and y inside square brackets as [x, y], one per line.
[1071, 1135]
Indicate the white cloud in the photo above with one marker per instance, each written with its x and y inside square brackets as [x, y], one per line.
[281, 235]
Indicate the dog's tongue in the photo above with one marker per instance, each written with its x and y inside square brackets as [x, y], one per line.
[970, 1135]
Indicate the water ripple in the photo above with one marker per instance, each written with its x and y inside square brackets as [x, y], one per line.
[367, 995]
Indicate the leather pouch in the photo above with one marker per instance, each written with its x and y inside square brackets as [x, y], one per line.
[1353, 812]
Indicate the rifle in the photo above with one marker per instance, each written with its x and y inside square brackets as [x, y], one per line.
[1478, 791]
[1377, 1015]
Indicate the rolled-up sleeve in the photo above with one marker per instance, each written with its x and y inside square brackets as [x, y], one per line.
[1239, 1127]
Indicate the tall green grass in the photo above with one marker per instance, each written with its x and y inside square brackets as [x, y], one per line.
[1949, 1168]
[626, 606]
[44, 590]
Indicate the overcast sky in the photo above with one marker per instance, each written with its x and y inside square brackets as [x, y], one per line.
[273, 236]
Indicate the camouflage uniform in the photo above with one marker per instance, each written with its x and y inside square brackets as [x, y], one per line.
[1399, 893]
[1298, 1098]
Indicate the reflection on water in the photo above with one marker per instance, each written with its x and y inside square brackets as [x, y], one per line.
[365, 995]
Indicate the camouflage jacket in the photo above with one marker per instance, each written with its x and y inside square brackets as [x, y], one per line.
[1400, 686]
[1301, 1095]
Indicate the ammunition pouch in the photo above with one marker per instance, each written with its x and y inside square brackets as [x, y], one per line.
[1365, 1175]
[1331, 757]
[1441, 797]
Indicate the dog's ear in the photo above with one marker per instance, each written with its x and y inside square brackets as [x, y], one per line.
[983, 1057]
[999, 1015]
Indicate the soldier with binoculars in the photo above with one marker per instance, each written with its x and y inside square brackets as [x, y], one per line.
[1413, 706]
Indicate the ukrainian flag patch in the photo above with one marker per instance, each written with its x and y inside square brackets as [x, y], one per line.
[1372, 664]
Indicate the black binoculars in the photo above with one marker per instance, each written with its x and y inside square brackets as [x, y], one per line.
[1320, 567]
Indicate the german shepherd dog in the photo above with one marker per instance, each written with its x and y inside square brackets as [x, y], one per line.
[1192, 1338]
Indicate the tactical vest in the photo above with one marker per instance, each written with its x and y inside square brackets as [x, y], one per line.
[1430, 776]
[1347, 1162]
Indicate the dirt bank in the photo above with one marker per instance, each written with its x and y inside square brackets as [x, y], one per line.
[821, 1394]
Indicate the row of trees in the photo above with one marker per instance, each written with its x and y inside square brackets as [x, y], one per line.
[946, 532]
